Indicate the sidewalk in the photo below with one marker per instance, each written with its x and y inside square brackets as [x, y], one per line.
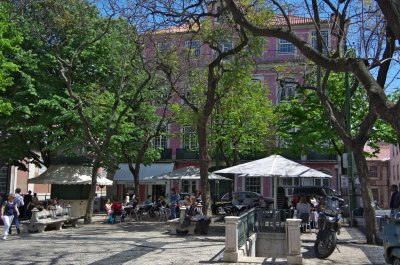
[150, 243]
[351, 249]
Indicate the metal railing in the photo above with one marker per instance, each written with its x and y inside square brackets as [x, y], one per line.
[272, 219]
[187, 154]
[246, 226]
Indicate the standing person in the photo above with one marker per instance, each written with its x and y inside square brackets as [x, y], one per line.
[19, 201]
[35, 200]
[9, 209]
[394, 200]
[27, 205]
[174, 202]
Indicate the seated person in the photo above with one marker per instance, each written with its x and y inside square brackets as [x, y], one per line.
[303, 206]
[262, 203]
[55, 201]
[108, 206]
[198, 196]
[235, 200]
[187, 202]
[193, 213]
[50, 205]
[236, 207]
[116, 207]
[162, 201]
[35, 201]
[126, 199]
[148, 203]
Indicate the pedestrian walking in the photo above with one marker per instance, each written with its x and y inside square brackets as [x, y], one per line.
[9, 209]
[394, 200]
[174, 202]
[19, 201]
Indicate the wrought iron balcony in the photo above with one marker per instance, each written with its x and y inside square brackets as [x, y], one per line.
[315, 156]
[187, 154]
[166, 153]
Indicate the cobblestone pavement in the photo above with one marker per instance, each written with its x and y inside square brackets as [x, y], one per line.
[150, 243]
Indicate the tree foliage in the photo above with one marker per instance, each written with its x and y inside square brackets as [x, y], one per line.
[87, 83]
[10, 52]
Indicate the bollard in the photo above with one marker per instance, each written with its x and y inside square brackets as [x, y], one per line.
[68, 210]
[182, 214]
[293, 239]
[35, 216]
[231, 253]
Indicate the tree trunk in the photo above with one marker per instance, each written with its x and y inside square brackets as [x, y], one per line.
[372, 233]
[203, 156]
[92, 193]
[135, 173]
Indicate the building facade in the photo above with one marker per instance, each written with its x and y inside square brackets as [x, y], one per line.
[379, 173]
[394, 165]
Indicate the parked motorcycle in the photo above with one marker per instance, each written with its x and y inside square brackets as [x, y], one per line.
[391, 240]
[329, 219]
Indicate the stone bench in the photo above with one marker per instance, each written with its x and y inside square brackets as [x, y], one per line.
[175, 226]
[39, 227]
[40, 220]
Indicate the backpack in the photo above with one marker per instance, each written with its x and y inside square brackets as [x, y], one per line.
[110, 219]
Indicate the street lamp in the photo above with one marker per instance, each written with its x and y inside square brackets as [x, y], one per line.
[350, 171]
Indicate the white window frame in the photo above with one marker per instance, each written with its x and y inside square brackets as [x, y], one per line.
[193, 45]
[253, 184]
[163, 46]
[287, 91]
[325, 40]
[285, 47]
[161, 141]
[3, 178]
[189, 137]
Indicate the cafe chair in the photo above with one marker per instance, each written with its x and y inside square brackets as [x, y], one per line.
[305, 222]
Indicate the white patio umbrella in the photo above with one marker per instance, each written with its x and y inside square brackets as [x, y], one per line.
[68, 174]
[273, 166]
[189, 173]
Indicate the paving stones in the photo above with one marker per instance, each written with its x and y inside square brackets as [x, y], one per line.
[150, 243]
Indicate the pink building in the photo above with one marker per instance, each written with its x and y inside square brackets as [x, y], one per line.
[279, 67]
[394, 165]
[379, 169]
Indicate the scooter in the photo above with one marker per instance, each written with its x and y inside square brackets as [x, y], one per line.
[391, 240]
[328, 226]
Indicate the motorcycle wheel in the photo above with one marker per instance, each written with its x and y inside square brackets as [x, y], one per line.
[325, 246]
[396, 262]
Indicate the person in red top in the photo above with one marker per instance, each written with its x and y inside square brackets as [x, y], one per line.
[116, 206]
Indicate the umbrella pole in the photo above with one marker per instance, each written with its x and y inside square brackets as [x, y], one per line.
[275, 192]
[275, 201]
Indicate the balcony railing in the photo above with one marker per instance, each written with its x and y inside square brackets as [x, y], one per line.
[252, 156]
[321, 157]
[187, 154]
[166, 153]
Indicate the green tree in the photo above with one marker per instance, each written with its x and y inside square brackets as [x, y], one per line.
[379, 43]
[202, 87]
[41, 121]
[242, 125]
[97, 64]
[10, 48]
